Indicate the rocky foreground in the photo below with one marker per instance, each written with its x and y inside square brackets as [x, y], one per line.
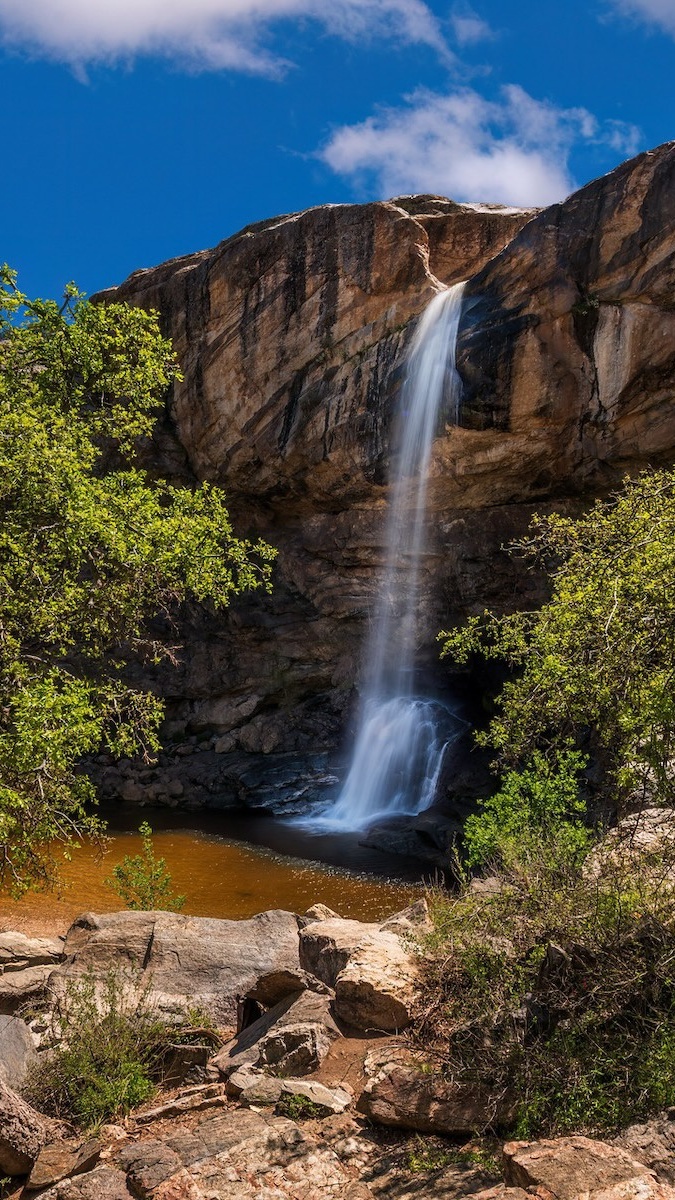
[307, 1090]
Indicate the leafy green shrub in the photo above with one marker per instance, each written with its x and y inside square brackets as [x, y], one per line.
[593, 671]
[544, 798]
[91, 551]
[427, 1154]
[143, 881]
[109, 1045]
[555, 989]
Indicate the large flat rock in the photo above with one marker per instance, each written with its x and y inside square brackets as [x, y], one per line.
[183, 960]
[569, 1168]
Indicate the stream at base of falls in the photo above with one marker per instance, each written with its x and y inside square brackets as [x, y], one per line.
[261, 864]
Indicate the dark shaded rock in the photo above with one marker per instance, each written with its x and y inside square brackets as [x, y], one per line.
[185, 1064]
[23, 1133]
[19, 988]
[291, 1039]
[271, 989]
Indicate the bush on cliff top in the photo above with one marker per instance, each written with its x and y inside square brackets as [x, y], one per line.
[91, 548]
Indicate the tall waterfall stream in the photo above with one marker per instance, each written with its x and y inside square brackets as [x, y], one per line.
[401, 740]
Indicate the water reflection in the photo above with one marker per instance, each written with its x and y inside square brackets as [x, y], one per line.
[220, 878]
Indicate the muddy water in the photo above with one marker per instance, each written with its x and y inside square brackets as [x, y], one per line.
[219, 878]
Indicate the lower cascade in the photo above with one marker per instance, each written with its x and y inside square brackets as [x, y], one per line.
[402, 738]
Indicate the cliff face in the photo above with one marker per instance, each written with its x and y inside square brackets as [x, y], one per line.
[291, 336]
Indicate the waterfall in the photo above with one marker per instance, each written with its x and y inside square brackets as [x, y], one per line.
[400, 742]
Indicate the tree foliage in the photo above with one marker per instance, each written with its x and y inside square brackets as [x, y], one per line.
[594, 669]
[90, 550]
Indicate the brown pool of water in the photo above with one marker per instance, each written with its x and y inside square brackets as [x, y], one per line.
[218, 878]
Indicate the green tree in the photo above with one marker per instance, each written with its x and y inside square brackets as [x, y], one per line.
[143, 881]
[90, 550]
[594, 668]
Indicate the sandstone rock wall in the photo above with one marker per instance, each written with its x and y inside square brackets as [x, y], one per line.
[292, 336]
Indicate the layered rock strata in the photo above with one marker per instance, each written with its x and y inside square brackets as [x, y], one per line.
[292, 337]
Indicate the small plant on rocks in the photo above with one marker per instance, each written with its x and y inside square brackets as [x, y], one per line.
[108, 1047]
[143, 881]
[298, 1108]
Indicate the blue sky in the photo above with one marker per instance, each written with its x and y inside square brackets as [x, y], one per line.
[137, 130]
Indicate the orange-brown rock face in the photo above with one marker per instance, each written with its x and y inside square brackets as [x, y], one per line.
[568, 344]
[292, 336]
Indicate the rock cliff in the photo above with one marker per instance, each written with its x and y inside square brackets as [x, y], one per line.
[292, 336]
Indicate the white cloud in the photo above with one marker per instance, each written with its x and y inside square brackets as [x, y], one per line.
[468, 27]
[513, 151]
[209, 34]
[655, 12]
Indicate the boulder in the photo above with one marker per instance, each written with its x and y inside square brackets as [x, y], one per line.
[320, 912]
[250, 1085]
[17, 1051]
[410, 922]
[569, 1168]
[277, 985]
[293, 1038]
[19, 988]
[23, 1133]
[407, 1092]
[328, 1099]
[184, 960]
[373, 973]
[375, 992]
[650, 831]
[652, 1143]
[18, 951]
[326, 946]
[60, 1160]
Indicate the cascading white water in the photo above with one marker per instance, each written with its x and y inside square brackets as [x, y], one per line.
[399, 748]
